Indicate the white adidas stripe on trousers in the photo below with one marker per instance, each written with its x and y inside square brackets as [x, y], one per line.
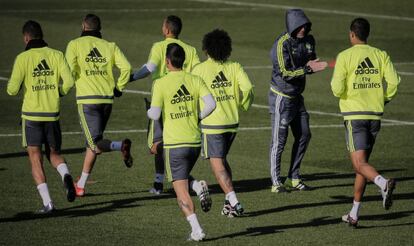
[275, 142]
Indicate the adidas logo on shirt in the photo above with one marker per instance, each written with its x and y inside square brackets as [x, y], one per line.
[95, 56]
[220, 81]
[182, 95]
[366, 67]
[42, 69]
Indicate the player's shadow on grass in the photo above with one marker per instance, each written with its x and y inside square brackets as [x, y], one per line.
[86, 210]
[251, 185]
[338, 200]
[316, 222]
[23, 153]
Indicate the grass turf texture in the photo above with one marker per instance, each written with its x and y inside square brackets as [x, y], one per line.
[118, 208]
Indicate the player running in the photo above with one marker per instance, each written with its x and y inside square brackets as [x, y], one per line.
[225, 80]
[171, 29]
[177, 96]
[38, 70]
[358, 82]
[91, 60]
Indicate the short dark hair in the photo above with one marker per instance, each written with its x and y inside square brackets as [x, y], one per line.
[217, 44]
[176, 54]
[174, 24]
[93, 22]
[33, 29]
[361, 28]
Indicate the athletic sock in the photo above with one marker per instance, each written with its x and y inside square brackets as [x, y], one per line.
[195, 226]
[381, 182]
[159, 178]
[232, 198]
[355, 210]
[196, 186]
[82, 181]
[116, 145]
[62, 169]
[44, 193]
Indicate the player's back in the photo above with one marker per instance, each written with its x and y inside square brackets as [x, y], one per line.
[180, 93]
[157, 56]
[41, 69]
[91, 59]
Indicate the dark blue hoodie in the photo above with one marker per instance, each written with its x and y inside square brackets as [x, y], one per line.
[290, 54]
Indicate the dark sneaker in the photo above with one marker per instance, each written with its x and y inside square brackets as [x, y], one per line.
[157, 189]
[204, 197]
[351, 221]
[296, 184]
[387, 194]
[49, 208]
[236, 211]
[69, 187]
[126, 152]
[226, 208]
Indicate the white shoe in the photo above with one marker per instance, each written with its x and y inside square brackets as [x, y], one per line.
[49, 208]
[387, 194]
[155, 191]
[197, 236]
[351, 221]
[204, 197]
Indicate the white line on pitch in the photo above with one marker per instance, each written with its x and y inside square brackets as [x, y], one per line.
[131, 10]
[314, 10]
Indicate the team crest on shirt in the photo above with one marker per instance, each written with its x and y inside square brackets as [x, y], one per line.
[182, 95]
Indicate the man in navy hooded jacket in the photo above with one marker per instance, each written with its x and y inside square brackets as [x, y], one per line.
[293, 57]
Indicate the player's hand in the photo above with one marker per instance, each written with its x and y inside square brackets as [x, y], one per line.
[317, 65]
[117, 93]
[147, 103]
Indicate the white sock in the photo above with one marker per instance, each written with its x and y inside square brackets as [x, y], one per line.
[195, 226]
[380, 182]
[196, 186]
[62, 169]
[159, 178]
[231, 196]
[44, 193]
[116, 145]
[355, 210]
[82, 181]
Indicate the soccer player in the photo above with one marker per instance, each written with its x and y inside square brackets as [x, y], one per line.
[91, 60]
[293, 57]
[38, 70]
[177, 96]
[171, 29]
[225, 80]
[358, 82]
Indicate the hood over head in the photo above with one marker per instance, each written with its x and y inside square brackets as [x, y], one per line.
[296, 18]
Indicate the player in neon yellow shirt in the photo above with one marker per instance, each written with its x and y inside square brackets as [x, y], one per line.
[171, 29]
[177, 96]
[225, 80]
[38, 71]
[91, 60]
[358, 82]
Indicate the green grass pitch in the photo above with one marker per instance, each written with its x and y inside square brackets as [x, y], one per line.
[118, 208]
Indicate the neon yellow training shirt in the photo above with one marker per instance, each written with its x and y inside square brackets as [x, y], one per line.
[39, 70]
[158, 52]
[91, 60]
[178, 94]
[225, 82]
[358, 82]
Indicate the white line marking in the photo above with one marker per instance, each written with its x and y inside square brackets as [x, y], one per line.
[314, 10]
[257, 128]
[4, 79]
[400, 122]
[406, 73]
[132, 10]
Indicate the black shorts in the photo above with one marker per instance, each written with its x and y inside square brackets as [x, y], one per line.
[361, 134]
[93, 119]
[36, 133]
[180, 161]
[216, 145]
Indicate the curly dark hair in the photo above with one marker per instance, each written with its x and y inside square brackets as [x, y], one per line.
[217, 44]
